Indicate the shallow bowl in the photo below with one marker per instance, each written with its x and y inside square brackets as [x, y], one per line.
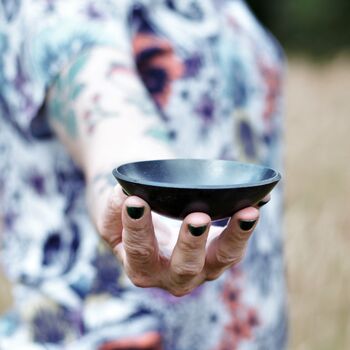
[178, 187]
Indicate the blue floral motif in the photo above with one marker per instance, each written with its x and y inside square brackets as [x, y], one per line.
[193, 64]
[70, 183]
[9, 219]
[246, 134]
[51, 54]
[139, 21]
[11, 8]
[51, 326]
[191, 9]
[73, 246]
[51, 248]
[107, 276]
[49, 6]
[239, 85]
[93, 12]
[39, 125]
[37, 182]
[3, 49]
[205, 108]
[4, 45]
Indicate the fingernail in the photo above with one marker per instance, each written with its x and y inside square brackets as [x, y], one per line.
[125, 192]
[197, 230]
[262, 203]
[135, 212]
[246, 225]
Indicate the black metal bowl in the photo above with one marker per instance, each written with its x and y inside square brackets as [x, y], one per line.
[177, 187]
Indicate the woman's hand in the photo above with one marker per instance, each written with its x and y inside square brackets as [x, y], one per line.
[93, 114]
[126, 224]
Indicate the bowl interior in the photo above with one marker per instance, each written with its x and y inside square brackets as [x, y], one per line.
[196, 173]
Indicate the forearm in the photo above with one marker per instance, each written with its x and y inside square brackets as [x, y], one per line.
[103, 115]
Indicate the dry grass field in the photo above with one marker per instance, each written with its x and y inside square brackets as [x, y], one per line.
[317, 208]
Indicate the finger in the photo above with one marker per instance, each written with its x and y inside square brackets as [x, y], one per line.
[141, 259]
[228, 248]
[188, 258]
[264, 201]
[109, 222]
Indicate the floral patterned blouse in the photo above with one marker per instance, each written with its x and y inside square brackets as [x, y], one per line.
[215, 77]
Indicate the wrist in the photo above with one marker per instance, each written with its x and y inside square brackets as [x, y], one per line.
[98, 190]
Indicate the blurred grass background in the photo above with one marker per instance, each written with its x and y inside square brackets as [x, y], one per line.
[316, 36]
[317, 208]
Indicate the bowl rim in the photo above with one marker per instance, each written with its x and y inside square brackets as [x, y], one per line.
[273, 179]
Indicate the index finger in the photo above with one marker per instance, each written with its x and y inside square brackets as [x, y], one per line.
[141, 253]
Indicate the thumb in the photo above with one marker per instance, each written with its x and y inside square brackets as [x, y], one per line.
[109, 222]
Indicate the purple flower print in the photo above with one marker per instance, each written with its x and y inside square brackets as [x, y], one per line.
[206, 108]
[247, 137]
[193, 65]
[37, 183]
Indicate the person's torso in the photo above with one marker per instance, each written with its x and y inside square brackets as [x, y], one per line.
[215, 76]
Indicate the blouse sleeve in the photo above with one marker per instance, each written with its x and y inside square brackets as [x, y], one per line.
[38, 38]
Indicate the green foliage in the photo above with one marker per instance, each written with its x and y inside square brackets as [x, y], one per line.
[316, 27]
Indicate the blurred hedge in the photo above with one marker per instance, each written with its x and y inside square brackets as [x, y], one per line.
[315, 27]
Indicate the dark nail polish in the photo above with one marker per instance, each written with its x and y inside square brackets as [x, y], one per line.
[262, 203]
[125, 192]
[197, 231]
[246, 225]
[135, 212]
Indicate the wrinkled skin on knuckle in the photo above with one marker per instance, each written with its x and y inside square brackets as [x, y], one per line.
[105, 232]
[112, 214]
[237, 240]
[186, 272]
[135, 230]
[228, 259]
[115, 205]
[139, 252]
[180, 291]
[213, 275]
[188, 246]
[109, 228]
[139, 280]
